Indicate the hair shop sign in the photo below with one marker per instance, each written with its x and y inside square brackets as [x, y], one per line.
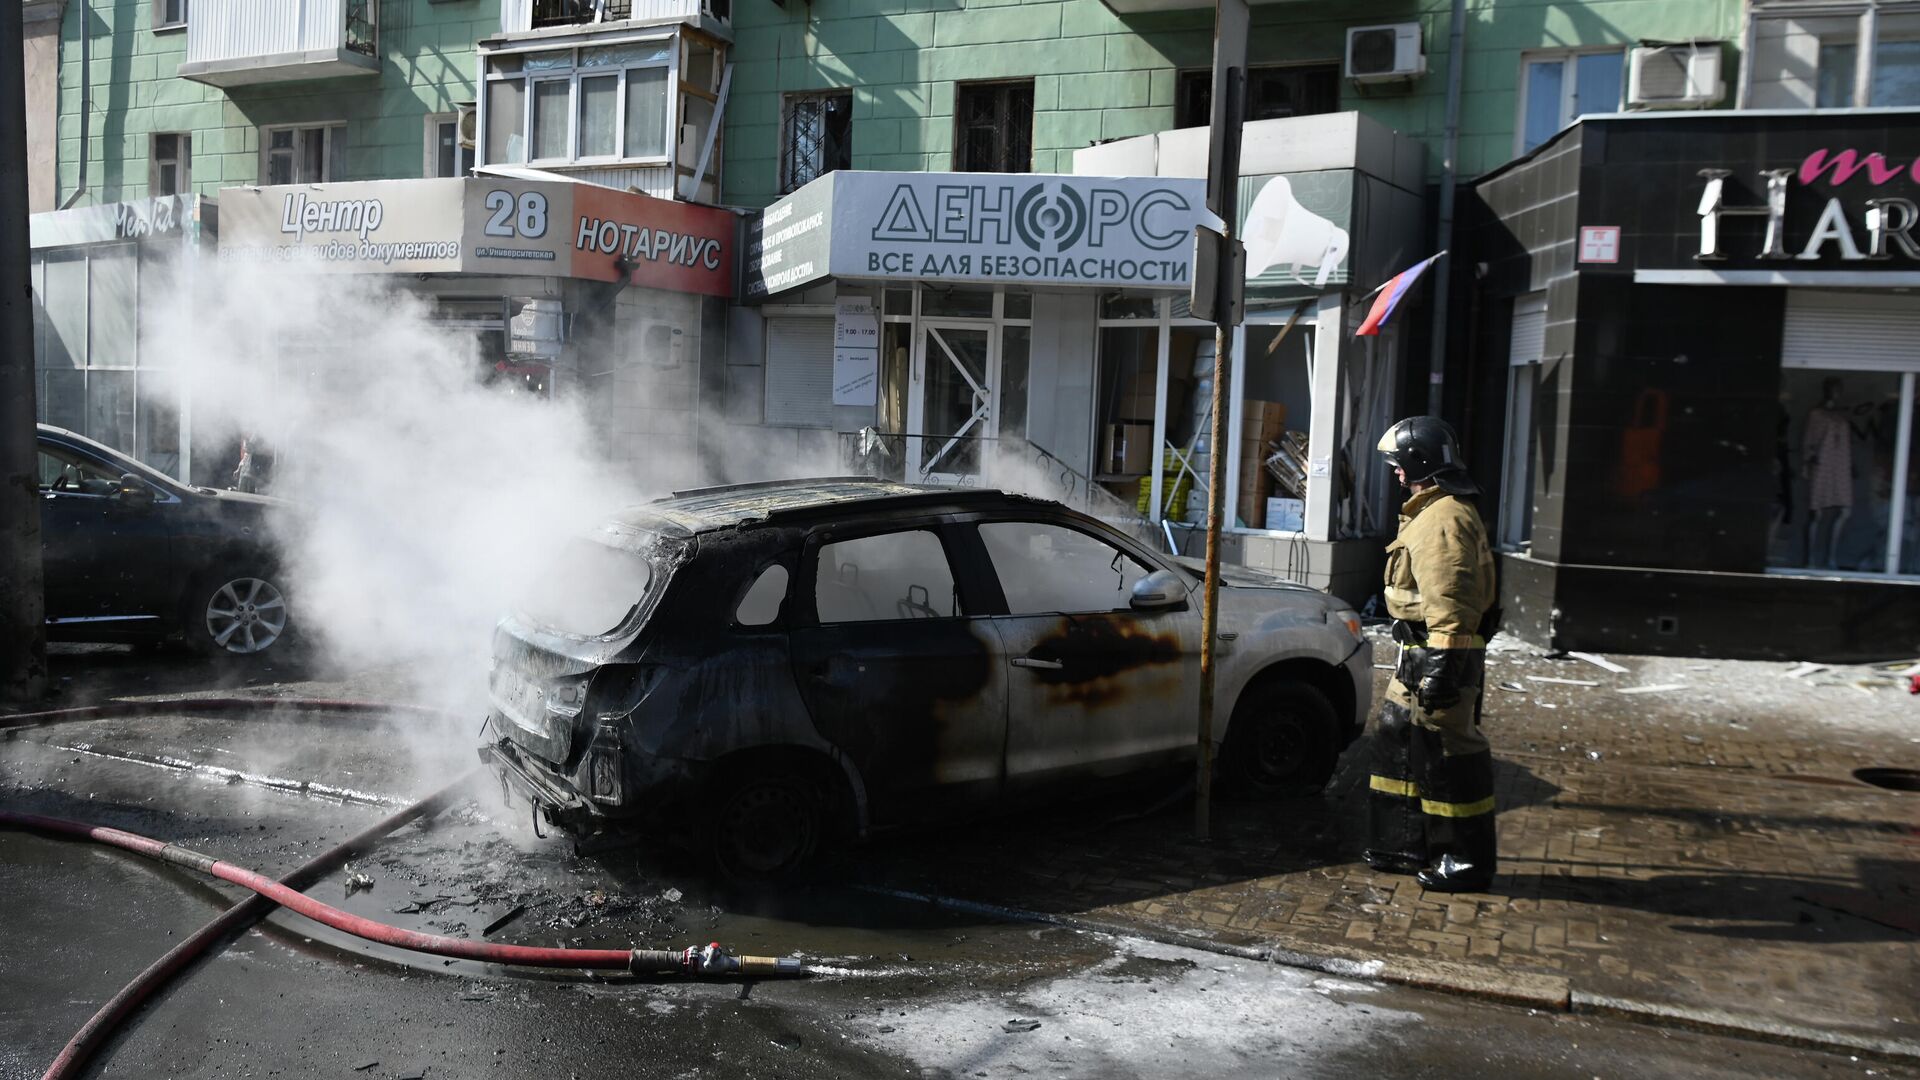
[1865, 221]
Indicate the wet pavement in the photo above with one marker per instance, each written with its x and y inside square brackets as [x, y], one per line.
[905, 990]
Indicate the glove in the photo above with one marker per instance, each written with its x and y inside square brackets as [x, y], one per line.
[1440, 684]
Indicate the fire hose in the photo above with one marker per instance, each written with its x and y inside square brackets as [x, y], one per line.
[708, 961]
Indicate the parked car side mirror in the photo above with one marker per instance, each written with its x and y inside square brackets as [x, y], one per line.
[132, 493]
[1161, 590]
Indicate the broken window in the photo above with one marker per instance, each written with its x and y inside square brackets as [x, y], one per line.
[901, 575]
[761, 605]
[1051, 568]
[589, 589]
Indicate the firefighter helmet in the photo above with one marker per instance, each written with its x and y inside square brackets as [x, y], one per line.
[1424, 448]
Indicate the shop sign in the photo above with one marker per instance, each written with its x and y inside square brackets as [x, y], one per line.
[482, 225]
[993, 227]
[787, 245]
[1599, 243]
[136, 219]
[1295, 228]
[1868, 213]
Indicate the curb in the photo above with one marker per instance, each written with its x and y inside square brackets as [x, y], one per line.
[1548, 993]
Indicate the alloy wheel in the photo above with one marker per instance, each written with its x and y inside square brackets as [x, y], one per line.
[246, 615]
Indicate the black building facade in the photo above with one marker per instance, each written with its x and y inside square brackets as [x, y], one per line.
[1696, 346]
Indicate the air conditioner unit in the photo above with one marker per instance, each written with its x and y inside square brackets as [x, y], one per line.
[1385, 53]
[1680, 76]
[663, 345]
[468, 124]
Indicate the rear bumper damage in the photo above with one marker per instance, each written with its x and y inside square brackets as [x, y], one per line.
[608, 788]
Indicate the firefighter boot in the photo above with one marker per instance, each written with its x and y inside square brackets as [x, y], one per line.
[1396, 836]
[1460, 832]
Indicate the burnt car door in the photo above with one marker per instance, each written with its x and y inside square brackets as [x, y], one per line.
[897, 671]
[1095, 688]
[104, 547]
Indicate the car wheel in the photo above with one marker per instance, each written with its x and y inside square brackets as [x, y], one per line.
[238, 614]
[1280, 742]
[766, 827]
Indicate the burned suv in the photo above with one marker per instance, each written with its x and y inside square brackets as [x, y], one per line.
[768, 667]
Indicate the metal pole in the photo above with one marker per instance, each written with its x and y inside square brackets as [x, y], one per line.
[1223, 184]
[1449, 172]
[22, 605]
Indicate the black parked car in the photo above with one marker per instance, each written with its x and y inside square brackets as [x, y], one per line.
[132, 555]
[763, 668]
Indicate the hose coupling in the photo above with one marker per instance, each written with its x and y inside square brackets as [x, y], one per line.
[711, 961]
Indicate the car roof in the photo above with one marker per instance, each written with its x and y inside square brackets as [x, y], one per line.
[707, 509]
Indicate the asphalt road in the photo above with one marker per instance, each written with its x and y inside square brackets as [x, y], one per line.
[903, 991]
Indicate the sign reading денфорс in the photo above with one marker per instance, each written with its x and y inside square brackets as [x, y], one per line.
[481, 225]
[979, 227]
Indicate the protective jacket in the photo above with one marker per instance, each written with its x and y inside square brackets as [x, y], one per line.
[1440, 570]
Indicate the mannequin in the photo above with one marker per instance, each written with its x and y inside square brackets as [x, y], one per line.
[1827, 462]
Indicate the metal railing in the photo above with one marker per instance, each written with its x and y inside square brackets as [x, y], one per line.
[363, 27]
[1009, 463]
[573, 12]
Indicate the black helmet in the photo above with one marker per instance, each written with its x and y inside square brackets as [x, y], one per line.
[1424, 448]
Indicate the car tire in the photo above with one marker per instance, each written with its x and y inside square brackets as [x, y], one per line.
[1280, 742]
[766, 827]
[240, 613]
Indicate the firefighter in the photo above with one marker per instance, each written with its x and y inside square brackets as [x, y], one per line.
[1430, 804]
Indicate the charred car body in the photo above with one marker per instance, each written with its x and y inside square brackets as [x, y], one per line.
[768, 666]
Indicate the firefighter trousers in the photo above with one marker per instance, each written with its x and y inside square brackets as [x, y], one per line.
[1431, 792]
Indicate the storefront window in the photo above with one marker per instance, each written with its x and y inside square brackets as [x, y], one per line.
[1845, 499]
[110, 408]
[157, 422]
[1275, 410]
[1016, 345]
[63, 398]
[957, 303]
[1128, 307]
[1128, 372]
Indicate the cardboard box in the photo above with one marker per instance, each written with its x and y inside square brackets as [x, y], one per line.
[1129, 447]
[1286, 515]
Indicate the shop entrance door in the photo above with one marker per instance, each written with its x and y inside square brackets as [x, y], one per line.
[951, 409]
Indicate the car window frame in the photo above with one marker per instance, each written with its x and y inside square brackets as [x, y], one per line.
[783, 615]
[166, 488]
[1090, 528]
[803, 592]
[59, 449]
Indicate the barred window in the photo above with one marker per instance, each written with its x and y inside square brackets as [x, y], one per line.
[819, 137]
[995, 127]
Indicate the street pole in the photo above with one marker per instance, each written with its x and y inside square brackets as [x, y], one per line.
[1449, 179]
[1230, 26]
[22, 605]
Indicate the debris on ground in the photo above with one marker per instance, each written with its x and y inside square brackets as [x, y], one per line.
[1656, 688]
[504, 918]
[357, 881]
[1599, 662]
[364, 1066]
[671, 896]
[1513, 688]
[1017, 1026]
[1562, 682]
[1805, 670]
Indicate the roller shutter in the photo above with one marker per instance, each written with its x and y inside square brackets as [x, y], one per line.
[800, 372]
[1855, 331]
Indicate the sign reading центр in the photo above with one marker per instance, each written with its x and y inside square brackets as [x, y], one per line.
[481, 225]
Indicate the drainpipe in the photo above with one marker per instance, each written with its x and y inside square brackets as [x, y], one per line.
[86, 104]
[1449, 167]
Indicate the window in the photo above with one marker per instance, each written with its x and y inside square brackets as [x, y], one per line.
[901, 575]
[301, 155]
[64, 471]
[1558, 88]
[800, 372]
[1525, 350]
[170, 165]
[445, 156]
[605, 103]
[1051, 568]
[169, 14]
[1781, 77]
[1272, 93]
[761, 605]
[819, 137]
[994, 127]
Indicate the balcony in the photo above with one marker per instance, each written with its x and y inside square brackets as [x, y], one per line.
[522, 16]
[249, 42]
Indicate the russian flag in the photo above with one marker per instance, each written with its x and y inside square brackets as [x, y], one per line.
[1389, 296]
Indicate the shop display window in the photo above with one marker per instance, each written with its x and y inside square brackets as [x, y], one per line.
[1274, 399]
[1846, 472]
[1124, 403]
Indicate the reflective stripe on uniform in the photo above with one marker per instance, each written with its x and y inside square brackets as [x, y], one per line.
[1387, 785]
[1457, 809]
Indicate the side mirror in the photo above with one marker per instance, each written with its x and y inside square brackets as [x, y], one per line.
[1161, 590]
[132, 493]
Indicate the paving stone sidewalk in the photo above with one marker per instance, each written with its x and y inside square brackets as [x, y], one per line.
[1704, 850]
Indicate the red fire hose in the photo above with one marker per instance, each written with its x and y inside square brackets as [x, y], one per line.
[710, 960]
